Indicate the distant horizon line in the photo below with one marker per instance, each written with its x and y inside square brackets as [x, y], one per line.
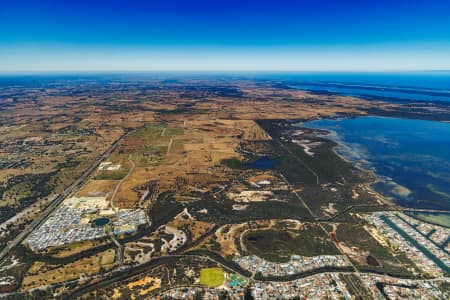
[218, 71]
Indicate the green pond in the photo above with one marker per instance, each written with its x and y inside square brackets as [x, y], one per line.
[101, 222]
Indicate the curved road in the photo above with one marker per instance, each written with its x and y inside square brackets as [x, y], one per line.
[125, 273]
[58, 200]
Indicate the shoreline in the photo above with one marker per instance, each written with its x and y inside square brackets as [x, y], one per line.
[443, 96]
[404, 195]
[401, 106]
[369, 185]
[375, 177]
[411, 212]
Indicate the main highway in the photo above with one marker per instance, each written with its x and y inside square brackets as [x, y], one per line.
[57, 201]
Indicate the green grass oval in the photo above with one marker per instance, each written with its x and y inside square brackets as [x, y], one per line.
[212, 277]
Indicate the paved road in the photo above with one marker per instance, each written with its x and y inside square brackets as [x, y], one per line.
[124, 273]
[127, 272]
[57, 201]
[119, 252]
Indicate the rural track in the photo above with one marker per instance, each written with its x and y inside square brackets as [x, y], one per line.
[300, 161]
[116, 190]
[60, 198]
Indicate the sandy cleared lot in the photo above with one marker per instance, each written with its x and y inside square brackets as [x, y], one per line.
[96, 188]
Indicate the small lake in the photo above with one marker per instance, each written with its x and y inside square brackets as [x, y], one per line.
[99, 222]
[262, 163]
[411, 157]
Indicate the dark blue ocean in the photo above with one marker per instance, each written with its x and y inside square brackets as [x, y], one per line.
[404, 86]
[411, 157]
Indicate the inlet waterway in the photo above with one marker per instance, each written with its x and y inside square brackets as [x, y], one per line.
[411, 157]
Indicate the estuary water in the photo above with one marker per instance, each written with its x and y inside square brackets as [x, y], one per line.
[391, 86]
[411, 157]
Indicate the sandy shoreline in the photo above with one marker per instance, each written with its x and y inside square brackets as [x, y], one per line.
[357, 165]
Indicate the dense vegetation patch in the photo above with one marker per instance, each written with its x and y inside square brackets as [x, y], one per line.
[280, 245]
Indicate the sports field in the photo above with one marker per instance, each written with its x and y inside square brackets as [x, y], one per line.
[212, 277]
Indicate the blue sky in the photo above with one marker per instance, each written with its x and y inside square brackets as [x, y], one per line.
[224, 35]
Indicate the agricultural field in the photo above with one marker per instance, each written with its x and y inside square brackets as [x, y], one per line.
[141, 188]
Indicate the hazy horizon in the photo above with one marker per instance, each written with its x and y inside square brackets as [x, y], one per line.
[211, 71]
[146, 36]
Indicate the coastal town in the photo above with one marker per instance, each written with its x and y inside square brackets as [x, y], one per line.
[212, 192]
[415, 239]
[385, 287]
[297, 264]
[224, 150]
[321, 286]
